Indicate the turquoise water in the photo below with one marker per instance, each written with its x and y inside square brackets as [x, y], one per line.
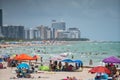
[84, 51]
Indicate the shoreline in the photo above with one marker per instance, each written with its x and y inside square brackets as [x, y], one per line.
[37, 43]
[44, 43]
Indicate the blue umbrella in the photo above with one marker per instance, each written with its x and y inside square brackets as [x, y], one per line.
[5, 55]
[102, 76]
[67, 60]
[79, 62]
[1, 60]
[23, 65]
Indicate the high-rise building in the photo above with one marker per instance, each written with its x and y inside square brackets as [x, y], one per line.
[49, 33]
[1, 23]
[45, 32]
[27, 34]
[16, 32]
[32, 33]
[63, 34]
[1, 17]
[74, 33]
[57, 26]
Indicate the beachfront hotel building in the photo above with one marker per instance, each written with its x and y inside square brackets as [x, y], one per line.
[57, 26]
[69, 34]
[74, 33]
[63, 34]
[1, 18]
[26, 34]
[15, 32]
[32, 34]
[45, 32]
[1, 23]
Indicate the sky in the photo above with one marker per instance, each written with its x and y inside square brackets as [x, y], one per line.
[97, 19]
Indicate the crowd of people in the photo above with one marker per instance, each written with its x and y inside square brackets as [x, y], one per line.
[115, 74]
[58, 66]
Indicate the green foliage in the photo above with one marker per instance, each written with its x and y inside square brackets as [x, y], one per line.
[58, 39]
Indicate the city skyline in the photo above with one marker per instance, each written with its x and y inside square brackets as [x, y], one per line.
[96, 19]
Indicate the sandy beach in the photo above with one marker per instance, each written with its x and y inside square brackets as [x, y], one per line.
[7, 74]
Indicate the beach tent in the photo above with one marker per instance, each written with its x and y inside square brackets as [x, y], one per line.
[23, 65]
[100, 69]
[79, 62]
[111, 59]
[23, 57]
[67, 60]
[44, 68]
[72, 61]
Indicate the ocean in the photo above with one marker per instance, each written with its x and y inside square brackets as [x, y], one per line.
[84, 51]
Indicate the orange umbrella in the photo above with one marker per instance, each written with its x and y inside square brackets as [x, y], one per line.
[23, 57]
[100, 69]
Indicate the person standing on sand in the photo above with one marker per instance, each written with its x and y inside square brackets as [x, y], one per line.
[50, 65]
[41, 61]
[90, 62]
[60, 65]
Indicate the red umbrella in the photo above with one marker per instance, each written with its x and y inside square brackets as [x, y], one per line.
[100, 69]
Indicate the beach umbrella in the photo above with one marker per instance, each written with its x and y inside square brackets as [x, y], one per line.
[101, 76]
[79, 62]
[111, 59]
[23, 65]
[1, 60]
[104, 76]
[23, 57]
[100, 69]
[67, 60]
[5, 56]
[57, 58]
